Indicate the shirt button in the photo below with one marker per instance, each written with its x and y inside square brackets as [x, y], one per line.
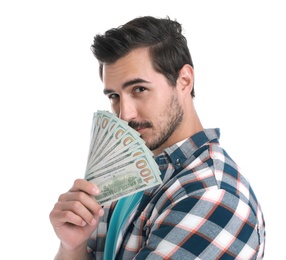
[178, 163]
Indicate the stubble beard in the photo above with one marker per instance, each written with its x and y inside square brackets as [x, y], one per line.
[167, 123]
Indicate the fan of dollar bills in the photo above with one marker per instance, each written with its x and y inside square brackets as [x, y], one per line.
[119, 162]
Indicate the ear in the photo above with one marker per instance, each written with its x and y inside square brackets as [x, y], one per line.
[185, 81]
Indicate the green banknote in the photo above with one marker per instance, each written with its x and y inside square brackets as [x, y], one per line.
[119, 162]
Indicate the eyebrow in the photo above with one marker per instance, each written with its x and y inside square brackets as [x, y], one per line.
[127, 84]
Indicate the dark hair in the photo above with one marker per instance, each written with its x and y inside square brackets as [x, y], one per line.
[168, 47]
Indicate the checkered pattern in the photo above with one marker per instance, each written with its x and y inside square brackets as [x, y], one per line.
[205, 209]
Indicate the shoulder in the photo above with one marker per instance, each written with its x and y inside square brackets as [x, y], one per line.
[208, 177]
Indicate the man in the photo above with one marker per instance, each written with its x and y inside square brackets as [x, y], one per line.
[205, 208]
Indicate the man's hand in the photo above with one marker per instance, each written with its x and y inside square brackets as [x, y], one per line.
[75, 216]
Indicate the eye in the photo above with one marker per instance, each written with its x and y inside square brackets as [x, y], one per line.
[113, 96]
[139, 89]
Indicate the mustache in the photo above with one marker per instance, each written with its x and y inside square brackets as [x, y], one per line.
[136, 125]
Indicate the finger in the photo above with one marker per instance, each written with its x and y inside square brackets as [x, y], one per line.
[60, 218]
[80, 198]
[74, 201]
[86, 186]
[75, 212]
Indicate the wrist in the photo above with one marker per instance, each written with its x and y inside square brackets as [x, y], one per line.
[65, 253]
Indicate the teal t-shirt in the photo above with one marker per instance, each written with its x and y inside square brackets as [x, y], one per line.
[119, 216]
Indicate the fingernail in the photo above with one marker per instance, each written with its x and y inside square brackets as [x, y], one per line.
[95, 191]
[101, 212]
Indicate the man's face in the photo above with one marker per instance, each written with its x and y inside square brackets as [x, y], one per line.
[142, 97]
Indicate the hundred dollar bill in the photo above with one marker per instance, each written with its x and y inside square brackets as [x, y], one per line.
[109, 127]
[120, 159]
[120, 149]
[94, 133]
[108, 121]
[106, 126]
[119, 162]
[118, 138]
[120, 180]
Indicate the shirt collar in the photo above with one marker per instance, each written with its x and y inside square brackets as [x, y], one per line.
[179, 152]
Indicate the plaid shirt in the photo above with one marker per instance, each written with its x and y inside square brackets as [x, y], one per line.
[205, 209]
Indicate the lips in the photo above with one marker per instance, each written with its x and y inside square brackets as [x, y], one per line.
[140, 130]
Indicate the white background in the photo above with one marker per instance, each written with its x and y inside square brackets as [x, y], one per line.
[49, 89]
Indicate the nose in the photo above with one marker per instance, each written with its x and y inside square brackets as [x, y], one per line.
[128, 110]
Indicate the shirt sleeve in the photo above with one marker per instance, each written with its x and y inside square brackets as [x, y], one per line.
[215, 223]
